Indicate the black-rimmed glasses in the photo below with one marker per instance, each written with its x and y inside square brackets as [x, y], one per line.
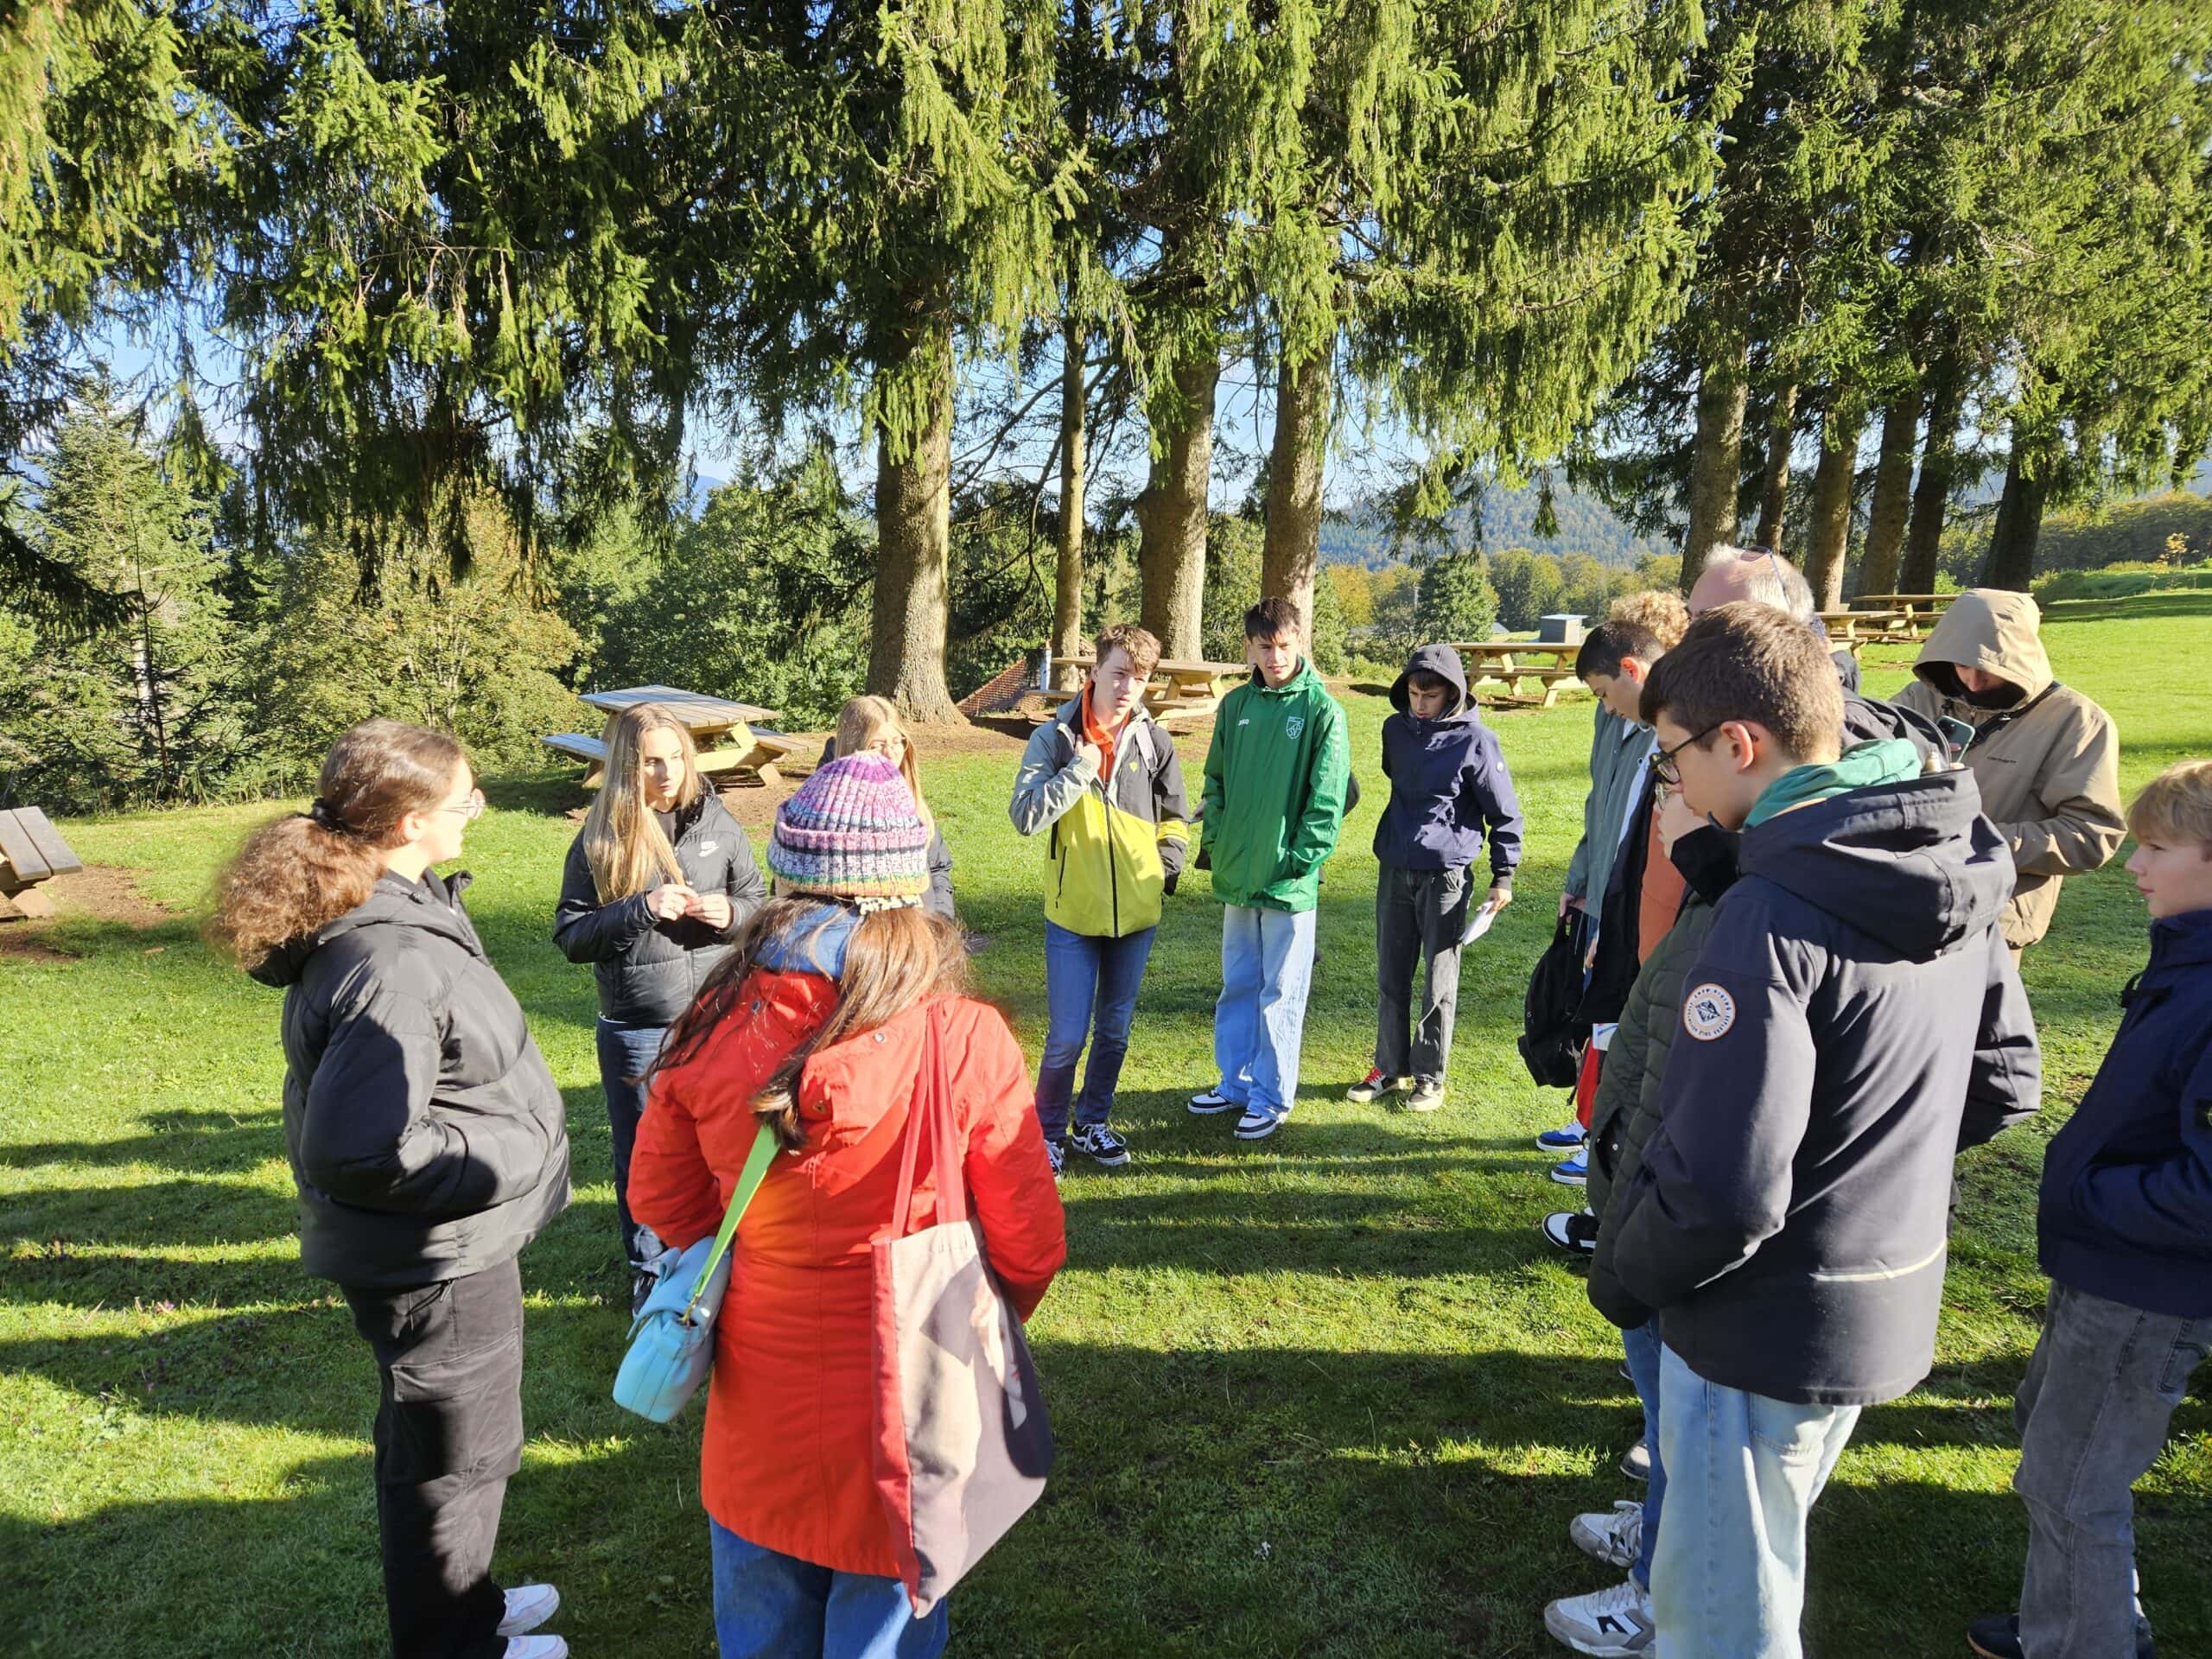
[1668, 769]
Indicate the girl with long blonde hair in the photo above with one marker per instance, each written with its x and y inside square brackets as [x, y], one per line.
[429, 1144]
[871, 726]
[657, 885]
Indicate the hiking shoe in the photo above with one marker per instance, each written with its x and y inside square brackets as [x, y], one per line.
[1058, 1152]
[1566, 1138]
[528, 1606]
[1615, 1622]
[1258, 1126]
[1635, 1462]
[1575, 1172]
[1212, 1101]
[1427, 1094]
[1997, 1637]
[1615, 1539]
[1375, 1085]
[1101, 1146]
[536, 1647]
[1575, 1231]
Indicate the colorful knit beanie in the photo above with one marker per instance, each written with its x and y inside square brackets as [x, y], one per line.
[852, 832]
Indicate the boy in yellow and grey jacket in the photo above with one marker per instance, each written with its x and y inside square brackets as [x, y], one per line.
[1103, 778]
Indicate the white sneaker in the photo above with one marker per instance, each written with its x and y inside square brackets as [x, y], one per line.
[528, 1606]
[1615, 1623]
[1207, 1102]
[1256, 1125]
[1615, 1539]
[536, 1647]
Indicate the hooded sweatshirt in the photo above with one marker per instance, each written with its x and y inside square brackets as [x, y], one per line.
[2127, 1205]
[1276, 773]
[1852, 1021]
[427, 1138]
[1448, 782]
[2046, 757]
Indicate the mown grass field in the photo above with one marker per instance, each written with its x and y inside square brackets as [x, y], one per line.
[1328, 1395]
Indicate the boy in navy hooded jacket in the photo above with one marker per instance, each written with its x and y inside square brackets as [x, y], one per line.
[1449, 792]
[2123, 1227]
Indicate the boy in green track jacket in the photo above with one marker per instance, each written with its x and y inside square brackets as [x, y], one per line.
[1103, 778]
[1273, 803]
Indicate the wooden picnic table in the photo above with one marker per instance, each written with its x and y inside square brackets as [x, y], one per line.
[1508, 662]
[1915, 609]
[31, 851]
[722, 729]
[1180, 691]
[1852, 629]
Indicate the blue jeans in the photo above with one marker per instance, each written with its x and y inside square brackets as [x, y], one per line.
[1267, 966]
[624, 1052]
[1643, 1363]
[769, 1605]
[1744, 1472]
[2100, 1390]
[1091, 991]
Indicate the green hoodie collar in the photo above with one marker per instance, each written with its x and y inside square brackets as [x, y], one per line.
[1889, 760]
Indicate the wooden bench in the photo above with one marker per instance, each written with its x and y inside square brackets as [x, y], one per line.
[1912, 610]
[1180, 691]
[1851, 629]
[30, 852]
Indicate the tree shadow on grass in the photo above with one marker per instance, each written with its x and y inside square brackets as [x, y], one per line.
[205, 1142]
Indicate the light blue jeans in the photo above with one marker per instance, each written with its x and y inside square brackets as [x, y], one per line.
[1643, 1351]
[1267, 967]
[769, 1605]
[1743, 1474]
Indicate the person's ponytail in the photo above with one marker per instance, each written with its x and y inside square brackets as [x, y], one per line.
[298, 871]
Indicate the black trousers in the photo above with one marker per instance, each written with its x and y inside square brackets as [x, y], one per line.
[448, 1434]
[1418, 916]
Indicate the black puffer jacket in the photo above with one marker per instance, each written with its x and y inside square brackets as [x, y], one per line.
[1627, 1106]
[1852, 1022]
[426, 1134]
[649, 970]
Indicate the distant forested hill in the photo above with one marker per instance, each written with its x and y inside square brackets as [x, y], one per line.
[1361, 535]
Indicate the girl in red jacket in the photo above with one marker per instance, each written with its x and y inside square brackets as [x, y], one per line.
[811, 1031]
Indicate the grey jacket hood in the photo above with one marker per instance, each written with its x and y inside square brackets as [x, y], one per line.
[1443, 661]
[1913, 864]
[394, 900]
[1991, 629]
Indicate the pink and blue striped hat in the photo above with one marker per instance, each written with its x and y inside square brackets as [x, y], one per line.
[852, 832]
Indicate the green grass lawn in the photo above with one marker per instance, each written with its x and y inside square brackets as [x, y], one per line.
[1331, 1394]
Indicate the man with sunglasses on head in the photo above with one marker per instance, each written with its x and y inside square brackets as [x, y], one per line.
[1761, 574]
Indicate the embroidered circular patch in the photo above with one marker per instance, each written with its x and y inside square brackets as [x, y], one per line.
[1708, 1012]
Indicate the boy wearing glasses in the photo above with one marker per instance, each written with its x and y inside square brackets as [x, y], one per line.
[1852, 1019]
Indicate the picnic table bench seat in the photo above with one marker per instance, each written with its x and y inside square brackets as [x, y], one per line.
[31, 851]
[728, 747]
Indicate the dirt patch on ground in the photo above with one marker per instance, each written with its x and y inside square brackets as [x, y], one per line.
[998, 736]
[99, 893]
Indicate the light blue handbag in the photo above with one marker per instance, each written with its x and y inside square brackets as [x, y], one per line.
[672, 1340]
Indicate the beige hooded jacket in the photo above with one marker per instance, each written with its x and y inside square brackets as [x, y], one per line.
[2047, 767]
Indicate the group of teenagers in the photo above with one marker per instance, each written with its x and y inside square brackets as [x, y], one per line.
[1809, 905]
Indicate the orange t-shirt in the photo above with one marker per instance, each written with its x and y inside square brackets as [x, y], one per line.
[1661, 898]
[1104, 737]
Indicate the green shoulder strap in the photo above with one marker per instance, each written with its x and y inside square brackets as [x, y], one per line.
[748, 1183]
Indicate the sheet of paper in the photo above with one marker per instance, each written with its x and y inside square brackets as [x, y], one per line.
[1478, 924]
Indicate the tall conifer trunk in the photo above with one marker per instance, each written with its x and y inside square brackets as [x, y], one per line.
[1293, 552]
[912, 609]
[1067, 584]
[1831, 482]
[1774, 478]
[1172, 514]
[1885, 521]
[1931, 495]
[1717, 462]
[2011, 560]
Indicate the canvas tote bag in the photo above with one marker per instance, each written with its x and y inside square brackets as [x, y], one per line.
[962, 1447]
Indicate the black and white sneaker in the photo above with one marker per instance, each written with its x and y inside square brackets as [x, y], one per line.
[1256, 1125]
[1212, 1101]
[1058, 1152]
[1615, 1623]
[1101, 1146]
[1575, 1231]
